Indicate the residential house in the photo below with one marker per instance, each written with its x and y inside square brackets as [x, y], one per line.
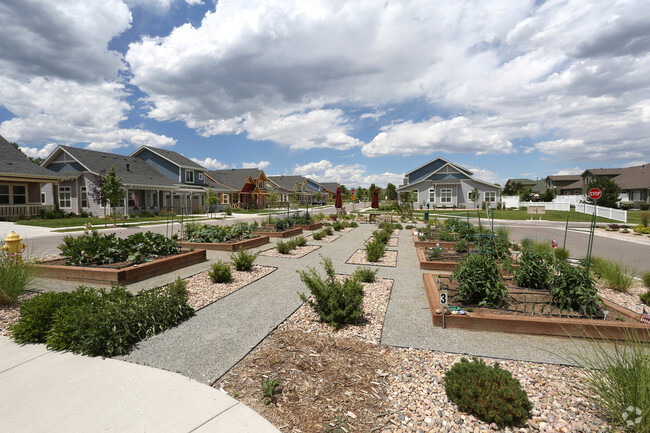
[146, 188]
[634, 181]
[565, 184]
[20, 183]
[188, 176]
[304, 189]
[248, 186]
[536, 186]
[329, 189]
[442, 183]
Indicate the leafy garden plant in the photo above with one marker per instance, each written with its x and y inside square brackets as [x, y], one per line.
[479, 281]
[337, 302]
[573, 289]
[535, 270]
[365, 275]
[490, 393]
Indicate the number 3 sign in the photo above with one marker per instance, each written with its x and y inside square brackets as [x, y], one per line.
[444, 296]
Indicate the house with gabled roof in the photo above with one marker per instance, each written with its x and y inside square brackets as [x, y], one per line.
[633, 181]
[146, 188]
[565, 184]
[20, 183]
[329, 189]
[189, 176]
[536, 186]
[442, 183]
[248, 185]
[304, 188]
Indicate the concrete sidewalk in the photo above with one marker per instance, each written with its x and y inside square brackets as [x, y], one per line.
[46, 391]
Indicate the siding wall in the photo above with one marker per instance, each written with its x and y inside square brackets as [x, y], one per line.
[165, 167]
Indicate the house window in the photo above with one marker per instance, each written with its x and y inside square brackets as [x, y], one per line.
[42, 198]
[225, 199]
[64, 196]
[432, 195]
[84, 196]
[261, 184]
[490, 196]
[200, 175]
[445, 195]
[20, 194]
[189, 176]
[4, 194]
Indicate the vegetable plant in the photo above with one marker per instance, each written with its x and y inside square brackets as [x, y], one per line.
[479, 281]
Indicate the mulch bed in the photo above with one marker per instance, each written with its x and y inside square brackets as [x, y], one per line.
[296, 253]
[359, 258]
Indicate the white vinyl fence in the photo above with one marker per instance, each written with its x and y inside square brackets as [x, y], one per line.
[605, 212]
[549, 205]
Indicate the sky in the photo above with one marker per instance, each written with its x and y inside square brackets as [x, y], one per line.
[357, 92]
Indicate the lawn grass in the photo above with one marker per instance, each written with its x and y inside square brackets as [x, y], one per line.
[521, 214]
[95, 221]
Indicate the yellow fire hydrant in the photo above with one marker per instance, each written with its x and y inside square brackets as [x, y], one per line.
[13, 244]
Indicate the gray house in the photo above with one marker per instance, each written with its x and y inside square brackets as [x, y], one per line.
[188, 176]
[442, 183]
[304, 188]
[20, 183]
[146, 188]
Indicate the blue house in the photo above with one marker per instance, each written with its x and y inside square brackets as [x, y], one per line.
[188, 177]
[441, 183]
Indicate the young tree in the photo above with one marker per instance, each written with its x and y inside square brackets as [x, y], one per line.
[97, 192]
[611, 191]
[371, 189]
[272, 198]
[113, 189]
[391, 191]
[474, 195]
[513, 188]
[211, 199]
[547, 195]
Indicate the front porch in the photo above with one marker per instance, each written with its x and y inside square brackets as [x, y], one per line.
[23, 210]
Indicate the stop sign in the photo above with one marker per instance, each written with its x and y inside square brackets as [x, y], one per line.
[595, 193]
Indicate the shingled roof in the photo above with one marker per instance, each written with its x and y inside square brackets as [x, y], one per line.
[133, 171]
[175, 157]
[235, 177]
[15, 163]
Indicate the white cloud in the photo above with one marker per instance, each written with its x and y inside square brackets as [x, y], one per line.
[155, 5]
[351, 175]
[194, 2]
[485, 175]
[437, 135]
[43, 152]
[211, 163]
[569, 171]
[262, 165]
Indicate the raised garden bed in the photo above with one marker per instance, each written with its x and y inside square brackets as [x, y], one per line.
[445, 263]
[311, 227]
[234, 245]
[435, 243]
[523, 323]
[125, 275]
[284, 234]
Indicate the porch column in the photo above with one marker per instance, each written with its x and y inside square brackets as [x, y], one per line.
[126, 203]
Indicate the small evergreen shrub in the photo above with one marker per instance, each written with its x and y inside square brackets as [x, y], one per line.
[490, 393]
[645, 277]
[329, 231]
[243, 260]
[318, 235]
[353, 224]
[382, 236]
[365, 275]
[375, 250]
[284, 247]
[221, 272]
[228, 210]
[337, 302]
[337, 226]
[299, 241]
[535, 270]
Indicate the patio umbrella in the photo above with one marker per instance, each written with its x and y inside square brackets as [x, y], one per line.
[375, 199]
[338, 203]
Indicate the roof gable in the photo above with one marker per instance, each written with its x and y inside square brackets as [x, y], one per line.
[171, 156]
[425, 170]
[15, 163]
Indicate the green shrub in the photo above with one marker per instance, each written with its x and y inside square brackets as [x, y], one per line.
[573, 289]
[461, 246]
[337, 226]
[318, 235]
[645, 216]
[353, 224]
[365, 275]
[337, 303]
[17, 274]
[328, 231]
[626, 205]
[221, 272]
[479, 281]
[645, 297]
[243, 260]
[228, 210]
[645, 277]
[433, 253]
[532, 244]
[615, 274]
[284, 247]
[97, 322]
[490, 393]
[535, 270]
[299, 241]
[375, 250]
[382, 236]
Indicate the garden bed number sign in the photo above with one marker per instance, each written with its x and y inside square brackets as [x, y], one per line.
[444, 297]
[595, 193]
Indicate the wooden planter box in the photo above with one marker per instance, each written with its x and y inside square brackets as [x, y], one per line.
[130, 274]
[432, 265]
[441, 244]
[555, 326]
[311, 227]
[228, 246]
[285, 234]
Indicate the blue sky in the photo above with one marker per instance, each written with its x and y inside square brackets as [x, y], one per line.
[356, 92]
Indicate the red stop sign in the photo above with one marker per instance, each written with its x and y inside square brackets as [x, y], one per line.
[595, 193]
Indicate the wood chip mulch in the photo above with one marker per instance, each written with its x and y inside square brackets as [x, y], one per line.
[296, 253]
[327, 239]
[359, 258]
